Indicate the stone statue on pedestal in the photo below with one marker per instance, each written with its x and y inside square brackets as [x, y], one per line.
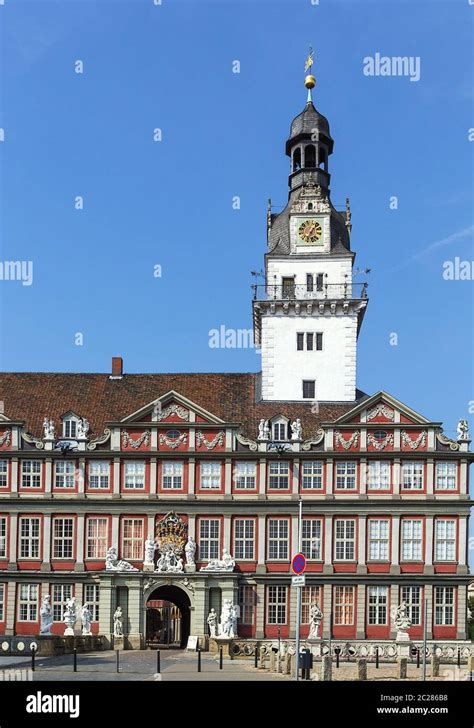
[401, 621]
[46, 615]
[228, 621]
[48, 429]
[150, 547]
[296, 430]
[70, 617]
[463, 430]
[212, 622]
[227, 563]
[315, 619]
[113, 563]
[86, 619]
[82, 429]
[190, 551]
[118, 622]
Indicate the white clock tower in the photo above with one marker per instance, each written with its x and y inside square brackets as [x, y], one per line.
[308, 313]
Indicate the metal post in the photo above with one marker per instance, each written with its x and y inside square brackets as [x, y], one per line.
[74, 660]
[256, 655]
[377, 658]
[330, 634]
[337, 658]
[221, 658]
[425, 630]
[117, 654]
[199, 659]
[298, 596]
[459, 657]
[418, 657]
[158, 662]
[33, 652]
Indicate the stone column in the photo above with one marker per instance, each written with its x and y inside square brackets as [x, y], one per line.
[430, 477]
[463, 543]
[394, 601]
[116, 466]
[463, 472]
[13, 541]
[191, 476]
[262, 478]
[363, 476]
[462, 612]
[14, 475]
[361, 610]
[294, 536]
[261, 545]
[192, 526]
[46, 564]
[135, 627]
[397, 474]
[329, 476]
[428, 594]
[296, 477]
[150, 528]
[327, 610]
[199, 609]
[228, 477]
[115, 533]
[362, 560]
[48, 475]
[395, 532]
[328, 523]
[79, 565]
[226, 540]
[429, 542]
[260, 612]
[10, 608]
[153, 474]
[106, 609]
[81, 470]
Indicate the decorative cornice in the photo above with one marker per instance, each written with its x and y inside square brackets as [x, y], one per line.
[316, 440]
[453, 445]
[251, 444]
[99, 440]
[39, 444]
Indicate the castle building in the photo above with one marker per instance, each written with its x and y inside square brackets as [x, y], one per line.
[168, 494]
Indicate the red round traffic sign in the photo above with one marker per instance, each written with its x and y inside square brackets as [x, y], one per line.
[298, 563]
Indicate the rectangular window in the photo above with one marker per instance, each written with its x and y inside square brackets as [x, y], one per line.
[319, 281]
[276, 604]
[312, 478]
[3, 537]
[446, 476]
[309, 388]
[445, 540]
[444, 606]
[279, 431]
[99, 474]
[209, 539]
[29, 538]
[70, 428]
[378, 475]
[412, 540]
[245, 475]
[247, 604]
[2, 602]
[64, 474]
[92, 599]
[3, 473]
[346, 475]
[97, 538]
[28, 603]
[211, 476]
[309, 282]
[244, 539]
[411, 595]
[278, 530]
[279, 475]
[63, 533]
[344, 539]
[344, 605]
[172, 475]
[378, 604]
[309, 341]
[132, 538]
[319, 341]
[299, 342]
[134, 475]
[311, 532]
[31, 473]
[310, 595]
[379, 531]
[61, 594]
[412, 475]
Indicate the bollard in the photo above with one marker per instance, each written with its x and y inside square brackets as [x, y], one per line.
[221, 658]
[74, 660]
[470, 667]
[158, 662]
[376, 658]
[326, 668]
[33, 652]
[362, 669]
[272, 661]
[459, 657]
[403, 668]
[199, 659]
[117, 655]
[263, 656]
[418, 657]
[287, 668]
[255, 662]
[434, 665]
[338, 652]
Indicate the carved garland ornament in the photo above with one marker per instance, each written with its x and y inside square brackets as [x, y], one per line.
[346, 444]
[380, 444]
[99, 440]
[381, 409]
[414, 444]
[173, 442]
[6, 438]
[210, 444]
[251, 444]
[173, 409]
[127, 441]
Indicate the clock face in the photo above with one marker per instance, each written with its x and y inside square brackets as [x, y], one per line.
[310, 231]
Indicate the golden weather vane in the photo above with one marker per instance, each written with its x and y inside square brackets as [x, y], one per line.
[309, 81]
[309, 60]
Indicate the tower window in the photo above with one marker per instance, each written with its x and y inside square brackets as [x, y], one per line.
[309, 389]
[319, 342]
[309, 282]
[299, 342]
[296, 160]
[310, 156]
[319, 281]
[309, 342]
[322, 158]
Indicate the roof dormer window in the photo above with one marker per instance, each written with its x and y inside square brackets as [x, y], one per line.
[70, 426]
[279, 429]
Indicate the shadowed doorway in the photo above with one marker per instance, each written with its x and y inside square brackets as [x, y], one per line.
[167, 617]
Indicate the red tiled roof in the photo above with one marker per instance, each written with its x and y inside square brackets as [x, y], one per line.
[32, 396]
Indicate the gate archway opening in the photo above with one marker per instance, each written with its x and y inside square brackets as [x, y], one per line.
[167, 617]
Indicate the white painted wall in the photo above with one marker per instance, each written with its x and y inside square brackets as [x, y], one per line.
[336, 268]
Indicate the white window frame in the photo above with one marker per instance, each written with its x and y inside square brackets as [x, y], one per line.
[4, 474]
[3, 537]
[412, 539]
[64, 474]
[377, 605]
[134, 475]
[446, 475]
[211, 475]
[445, 539]
[280, 430]
[378, 475]
[277, 605]
[28, 596]
[60, 595]
[172, 475]
[245, 475]
[345, 539]
[378, 539]
[96, 541]
[244, 539]
[92, 599]
[99, 474]
[279, 475]
[311, 538]
[312, 472]
[31, 474]
[63, 537]
[411, 595]
[70, 427]
[278, 543]
[346, 475]
[29, 535]
[412, 475]
[209, 538]
[444, 604]
[133, 530]
[344, 606]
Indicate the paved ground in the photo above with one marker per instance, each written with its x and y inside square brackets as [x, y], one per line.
[181, 665]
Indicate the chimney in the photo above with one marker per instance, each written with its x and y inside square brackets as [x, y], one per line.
[117, 368]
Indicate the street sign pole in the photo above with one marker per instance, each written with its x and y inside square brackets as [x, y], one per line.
[298, 597]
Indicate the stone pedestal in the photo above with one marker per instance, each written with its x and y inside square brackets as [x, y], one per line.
[362, 669]
[148, 567]
[47, 644]
[215, 644]
[315, 646]
[190, 568]
[326, 668]
[118, 643]
[403, 668]
[403, 648]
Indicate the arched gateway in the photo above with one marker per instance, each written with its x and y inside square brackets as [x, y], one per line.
[167, 617]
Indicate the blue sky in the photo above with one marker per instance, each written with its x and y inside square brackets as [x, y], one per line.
[169, 203]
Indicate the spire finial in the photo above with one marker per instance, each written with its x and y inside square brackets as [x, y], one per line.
[310, 81]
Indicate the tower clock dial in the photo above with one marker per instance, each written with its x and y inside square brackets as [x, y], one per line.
[310, 231]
